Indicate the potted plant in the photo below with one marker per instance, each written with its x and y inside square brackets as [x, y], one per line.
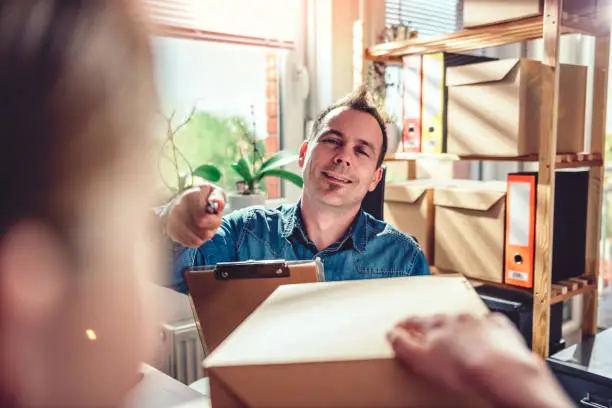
[253, 168]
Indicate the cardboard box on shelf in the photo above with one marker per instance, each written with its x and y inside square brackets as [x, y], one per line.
[485, 12]
[469, 229]
[494, 108]
[425, 169]
[324, 345]
[409, 207]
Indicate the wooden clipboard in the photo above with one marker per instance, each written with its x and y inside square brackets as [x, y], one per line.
[223, 295]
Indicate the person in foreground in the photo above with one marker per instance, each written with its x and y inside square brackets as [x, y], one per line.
[77, 98]
[341, 163]
[486, 357]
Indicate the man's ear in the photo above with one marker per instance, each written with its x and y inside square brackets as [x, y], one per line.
[375, 179]
[34, 271]
[302, 154]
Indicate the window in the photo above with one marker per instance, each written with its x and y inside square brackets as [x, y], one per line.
[219, 71]
[429, 18]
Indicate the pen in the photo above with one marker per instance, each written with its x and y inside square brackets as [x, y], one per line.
[212, 207]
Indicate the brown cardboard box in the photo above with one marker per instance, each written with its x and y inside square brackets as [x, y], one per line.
[469, 229]
[484, 12]
[494, 108]
[409, 208]
[324, 345]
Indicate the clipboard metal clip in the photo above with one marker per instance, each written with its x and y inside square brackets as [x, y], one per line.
[252, 270]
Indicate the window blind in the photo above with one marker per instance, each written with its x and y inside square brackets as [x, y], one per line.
[428, 17]
[268, 23]
[171, 13]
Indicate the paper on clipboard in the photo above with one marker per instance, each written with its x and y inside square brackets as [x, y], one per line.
[223, 295]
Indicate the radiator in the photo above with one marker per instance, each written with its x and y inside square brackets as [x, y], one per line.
[181, 352]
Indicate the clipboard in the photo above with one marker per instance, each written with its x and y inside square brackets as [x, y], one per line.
[222, 296]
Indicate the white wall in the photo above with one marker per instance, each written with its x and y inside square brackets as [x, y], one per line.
[330, 49]
[295, 88]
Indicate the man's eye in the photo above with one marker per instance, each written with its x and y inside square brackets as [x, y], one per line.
[361, 151]
[332, 141]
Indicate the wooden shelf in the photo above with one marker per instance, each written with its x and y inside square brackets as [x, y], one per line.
[566, 290]
[560, 292]
[563, 160]
[591, 22]
[550, 27]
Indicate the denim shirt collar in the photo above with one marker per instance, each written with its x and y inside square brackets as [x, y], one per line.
[357, 233]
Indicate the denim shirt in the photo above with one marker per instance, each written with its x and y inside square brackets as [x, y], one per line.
[370, 249]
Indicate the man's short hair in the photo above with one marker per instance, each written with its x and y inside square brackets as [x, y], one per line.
[360, 100]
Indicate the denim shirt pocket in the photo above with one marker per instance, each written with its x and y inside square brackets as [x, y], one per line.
[370, 266]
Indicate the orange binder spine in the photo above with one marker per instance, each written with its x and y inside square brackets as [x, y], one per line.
[519, 258]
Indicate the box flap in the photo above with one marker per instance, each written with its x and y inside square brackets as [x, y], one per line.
[483, 72]
[404, 191]
[310, 322]
[474, 196]
[412, 190]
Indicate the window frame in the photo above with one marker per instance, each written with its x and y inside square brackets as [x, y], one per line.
[291, 135]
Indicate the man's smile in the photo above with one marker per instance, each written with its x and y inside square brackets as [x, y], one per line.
[335, 178]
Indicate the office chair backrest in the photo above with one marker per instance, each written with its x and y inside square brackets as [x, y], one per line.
[373, 203]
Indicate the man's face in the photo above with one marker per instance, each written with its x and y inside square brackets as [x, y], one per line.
[340, 163]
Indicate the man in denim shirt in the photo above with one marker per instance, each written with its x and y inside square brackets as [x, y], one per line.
[341, 162]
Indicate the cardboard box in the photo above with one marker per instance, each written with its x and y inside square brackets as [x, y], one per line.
[324, 345]
[409, 207]
[484, 12]
[469, 229]
[494, 108]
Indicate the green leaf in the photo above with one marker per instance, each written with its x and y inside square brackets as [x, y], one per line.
[279, 160]
[208, 172]
[243, 170]
[284, 174]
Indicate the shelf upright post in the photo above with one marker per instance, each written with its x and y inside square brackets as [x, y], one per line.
[546, 177]
[596, 176]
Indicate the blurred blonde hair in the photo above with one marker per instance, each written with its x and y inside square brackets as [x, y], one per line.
[76, 95]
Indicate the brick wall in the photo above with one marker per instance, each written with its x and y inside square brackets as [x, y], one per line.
[272, 117]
